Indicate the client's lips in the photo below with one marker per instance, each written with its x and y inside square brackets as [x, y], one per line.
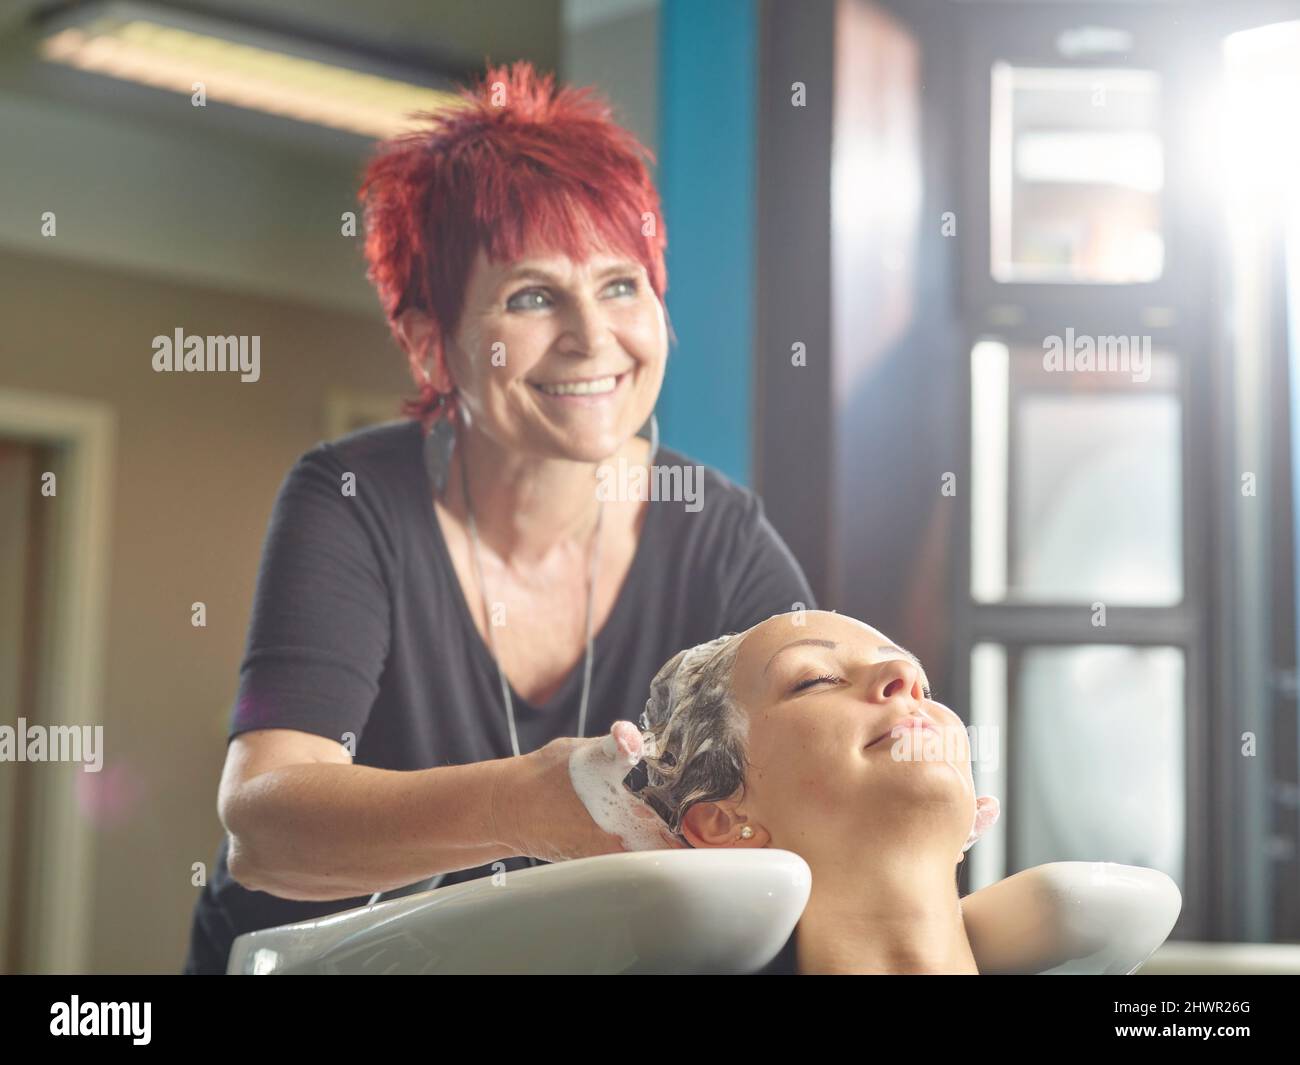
[908, 722]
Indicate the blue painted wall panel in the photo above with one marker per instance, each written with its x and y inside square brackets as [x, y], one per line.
[707, 155]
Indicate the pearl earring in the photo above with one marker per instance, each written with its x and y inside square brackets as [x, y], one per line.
[746, 833]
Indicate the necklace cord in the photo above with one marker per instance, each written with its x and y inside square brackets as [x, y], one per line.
[591, 595]
[433, 881]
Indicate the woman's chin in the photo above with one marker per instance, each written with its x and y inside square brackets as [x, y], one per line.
[593, 446]
[928, 777]
[595, 452]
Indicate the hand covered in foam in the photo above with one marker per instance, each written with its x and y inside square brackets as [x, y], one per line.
[598, 768]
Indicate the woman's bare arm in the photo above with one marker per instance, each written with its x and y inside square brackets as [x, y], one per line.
[1077, 917]
[305, 823]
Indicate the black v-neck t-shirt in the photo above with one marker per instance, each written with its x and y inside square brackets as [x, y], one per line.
[360, 629]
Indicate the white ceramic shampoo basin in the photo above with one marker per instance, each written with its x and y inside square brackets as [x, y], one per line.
[669, 911]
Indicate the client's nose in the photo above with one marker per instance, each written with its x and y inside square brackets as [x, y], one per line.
[894, 678]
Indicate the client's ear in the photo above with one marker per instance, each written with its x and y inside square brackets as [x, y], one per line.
[987, 811]
[721, 824]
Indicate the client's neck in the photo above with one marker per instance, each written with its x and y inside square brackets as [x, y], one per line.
[897, 913]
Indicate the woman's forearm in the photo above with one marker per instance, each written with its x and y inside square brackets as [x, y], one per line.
[323, 831]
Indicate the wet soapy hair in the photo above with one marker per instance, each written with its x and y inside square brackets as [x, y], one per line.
[700, 733]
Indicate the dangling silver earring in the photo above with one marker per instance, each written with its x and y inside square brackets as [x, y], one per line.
[439, 443]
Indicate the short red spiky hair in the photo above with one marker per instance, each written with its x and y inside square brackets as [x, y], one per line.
[519, 164]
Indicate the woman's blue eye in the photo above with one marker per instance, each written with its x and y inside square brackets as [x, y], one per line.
[537, 299]
[824, 678]
[529, 299]
[630, 282]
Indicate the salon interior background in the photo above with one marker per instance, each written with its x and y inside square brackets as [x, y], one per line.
[965, 179]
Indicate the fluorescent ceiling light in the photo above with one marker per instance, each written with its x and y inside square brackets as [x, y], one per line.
[241, 66]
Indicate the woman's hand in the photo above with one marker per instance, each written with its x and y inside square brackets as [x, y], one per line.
[567, 800]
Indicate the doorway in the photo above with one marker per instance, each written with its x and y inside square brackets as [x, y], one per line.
[56, 462]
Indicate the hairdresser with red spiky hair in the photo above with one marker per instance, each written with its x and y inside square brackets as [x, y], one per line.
[451, 606]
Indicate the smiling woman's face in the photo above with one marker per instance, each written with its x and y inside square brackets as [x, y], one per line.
[844, 740]
[560, 358]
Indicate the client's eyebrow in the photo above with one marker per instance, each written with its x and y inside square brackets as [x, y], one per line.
[799, 643]
[884, 649]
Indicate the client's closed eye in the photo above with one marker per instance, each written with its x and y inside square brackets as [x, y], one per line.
[825, 678]
[830, 678]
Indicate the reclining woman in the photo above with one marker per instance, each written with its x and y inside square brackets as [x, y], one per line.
[812, 733]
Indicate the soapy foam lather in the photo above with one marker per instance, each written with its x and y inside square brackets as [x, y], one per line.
[597, 771]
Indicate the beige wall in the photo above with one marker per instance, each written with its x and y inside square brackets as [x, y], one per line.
[199, 460]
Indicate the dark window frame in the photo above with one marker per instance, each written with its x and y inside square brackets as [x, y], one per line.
[995, 33]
